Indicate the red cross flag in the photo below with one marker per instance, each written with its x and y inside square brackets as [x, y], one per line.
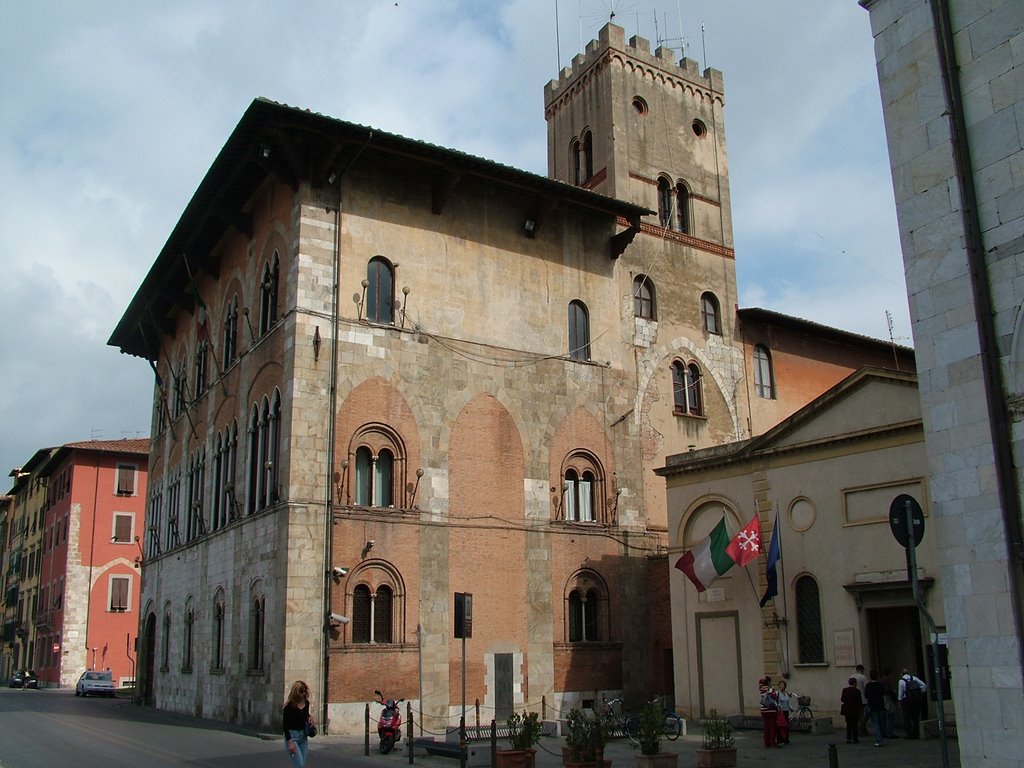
[746, 545]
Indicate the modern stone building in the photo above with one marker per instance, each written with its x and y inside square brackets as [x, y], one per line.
[388, 372]
[951, 74]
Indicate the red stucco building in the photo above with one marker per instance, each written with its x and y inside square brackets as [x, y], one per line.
[86, 604]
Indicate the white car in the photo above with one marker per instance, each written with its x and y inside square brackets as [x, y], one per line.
[95, 683]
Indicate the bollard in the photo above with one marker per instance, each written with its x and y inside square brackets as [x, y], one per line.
[477, 707]
[544, 707]
[462, 742]
[494, 742]
[833, 756]
[408, 730]
[366, 745]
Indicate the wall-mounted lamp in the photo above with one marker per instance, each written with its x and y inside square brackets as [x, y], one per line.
[359, 299]
[405, 301]
[411, 489]
[332, 177]
[265, 151]
[530, 227]
[316, 344]
[367, 547]
[252, 333]
[339, 481]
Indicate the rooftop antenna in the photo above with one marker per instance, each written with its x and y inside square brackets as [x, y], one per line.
[558, 42]
[892, 339]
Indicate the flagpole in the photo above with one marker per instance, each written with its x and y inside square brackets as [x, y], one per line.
[785, 604]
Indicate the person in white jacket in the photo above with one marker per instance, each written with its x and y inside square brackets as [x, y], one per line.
[910, 693]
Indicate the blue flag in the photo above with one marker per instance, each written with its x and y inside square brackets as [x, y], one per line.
[774, 554]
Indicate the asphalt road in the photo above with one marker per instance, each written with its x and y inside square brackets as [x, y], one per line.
[54, 729]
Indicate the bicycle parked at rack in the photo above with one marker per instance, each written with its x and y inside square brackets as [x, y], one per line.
[804, 715]
[628, 724]
[621, 719]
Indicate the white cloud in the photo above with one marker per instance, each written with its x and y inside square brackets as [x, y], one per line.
[114, 110]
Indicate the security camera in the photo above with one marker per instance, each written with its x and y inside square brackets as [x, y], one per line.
[339, 619]
[337, 571]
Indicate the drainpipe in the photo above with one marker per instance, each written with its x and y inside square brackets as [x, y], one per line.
[332, 399]
[1009, 498]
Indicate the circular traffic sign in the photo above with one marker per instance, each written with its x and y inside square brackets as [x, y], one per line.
[902, 507]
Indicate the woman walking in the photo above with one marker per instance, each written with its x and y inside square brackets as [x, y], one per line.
[851, 706]
[296, 719]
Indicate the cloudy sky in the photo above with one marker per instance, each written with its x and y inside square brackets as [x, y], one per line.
[113, 110]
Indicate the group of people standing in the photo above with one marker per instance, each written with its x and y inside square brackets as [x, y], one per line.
[873, 699]
[778, 705]
[865, 699]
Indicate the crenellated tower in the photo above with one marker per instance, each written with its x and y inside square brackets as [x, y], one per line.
[641, 127]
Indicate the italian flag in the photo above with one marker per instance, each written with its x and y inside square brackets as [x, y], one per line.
[709, 559]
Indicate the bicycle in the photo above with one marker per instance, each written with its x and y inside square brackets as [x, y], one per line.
[621, 720]
[804, 715]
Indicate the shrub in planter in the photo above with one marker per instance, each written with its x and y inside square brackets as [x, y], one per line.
[650, 728]
[584, 736]
[523, 730]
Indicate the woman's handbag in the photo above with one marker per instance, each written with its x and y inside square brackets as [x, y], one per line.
[311, 730]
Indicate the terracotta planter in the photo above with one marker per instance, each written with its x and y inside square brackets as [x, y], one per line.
[659, 760]
[568, 762]
[716, 758]
[515, 758]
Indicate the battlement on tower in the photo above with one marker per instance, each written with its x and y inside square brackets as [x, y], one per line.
[612, 41]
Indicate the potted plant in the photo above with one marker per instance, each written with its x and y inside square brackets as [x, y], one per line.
[523, 732]
[650, 729]
[718, 750]
[585, 736]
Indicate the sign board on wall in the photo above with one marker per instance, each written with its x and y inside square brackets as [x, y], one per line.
[842, 648]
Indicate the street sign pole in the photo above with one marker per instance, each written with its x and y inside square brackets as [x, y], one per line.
[912, 510]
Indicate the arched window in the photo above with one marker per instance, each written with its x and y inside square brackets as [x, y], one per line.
[576, 159]
[165, 661]
[694, 395]
[579, 331]
[810, 638]
[375, 478]
[579, 496]
[186, 644]
[224, 477]
[586, 607]
[217, 635]
[202, 355]
[229, 343]
[709, 313]
[678, 387]
[180, 390]
[254, 461]
[380, 290]
[360, 618]
[682, 208]
[664, 202]
[643, 297]
[268, 294]
[381, 609]
[195, 525]
[264, 453]
[257, 630]
[764, 378]
[582, 489]
[588, 155]
[372, 614]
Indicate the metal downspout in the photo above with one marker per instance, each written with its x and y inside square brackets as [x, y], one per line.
[1006, 479]
[332, 397]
